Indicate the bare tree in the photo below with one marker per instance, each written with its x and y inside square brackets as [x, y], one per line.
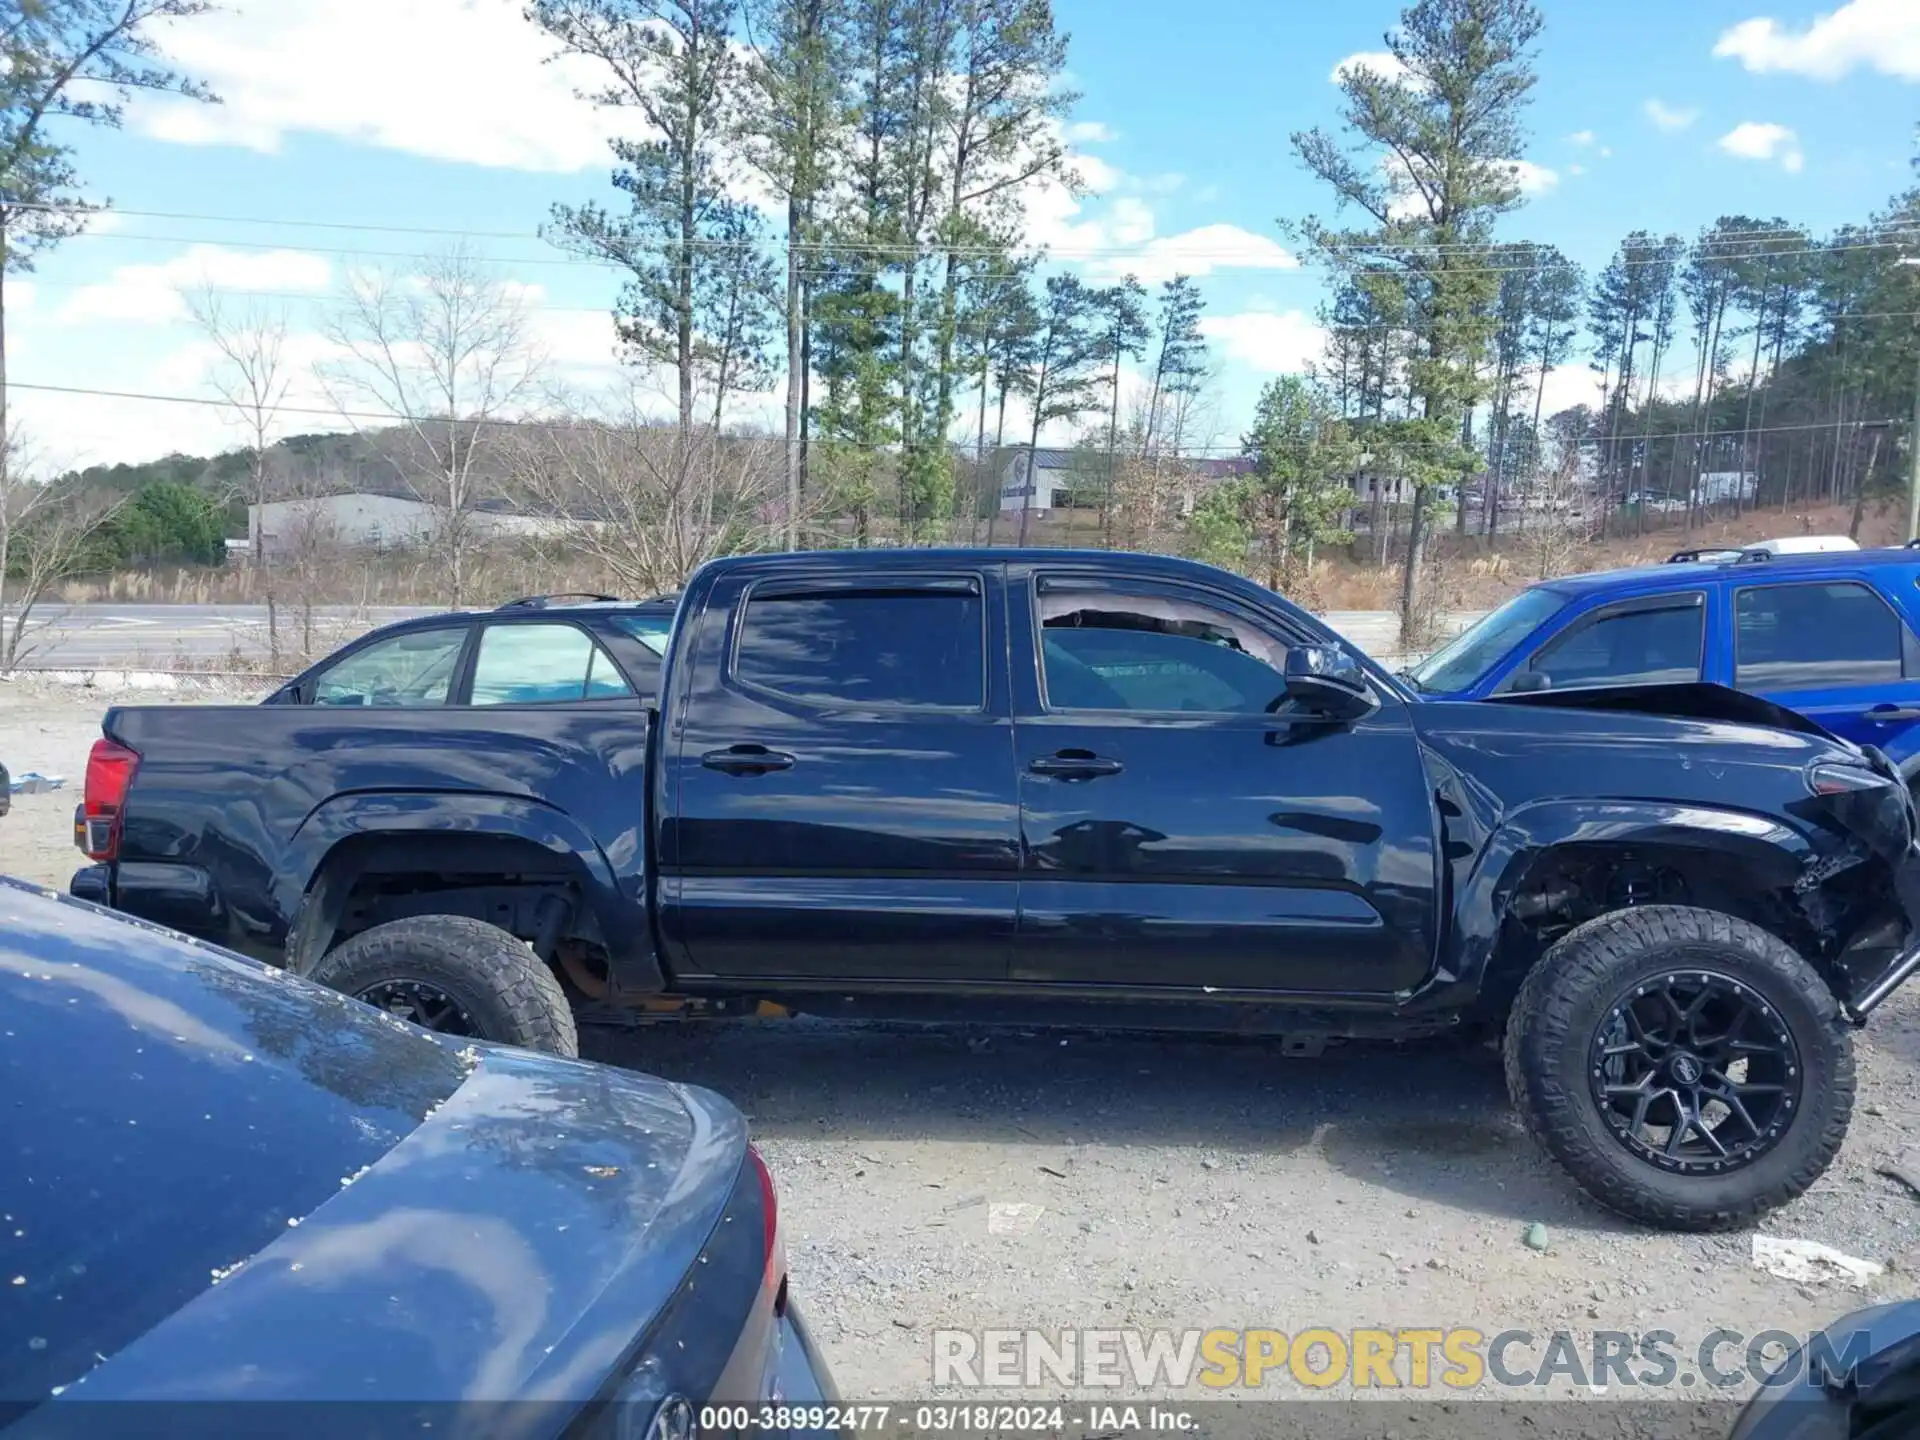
[44, 531]
[1554, 526]
[252, 376]
[447, 354]
[651, 502]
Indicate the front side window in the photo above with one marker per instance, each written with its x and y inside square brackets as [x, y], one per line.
[1106, 651]
[1809, 637]
[1637, 642]
[412, 669]
[542, 665]
[878, 644]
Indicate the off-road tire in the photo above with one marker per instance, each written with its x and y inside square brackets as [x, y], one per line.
[1560, 1007]
[512, 997]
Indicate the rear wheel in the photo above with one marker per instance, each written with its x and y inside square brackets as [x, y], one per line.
[1686, 1067]
[456, 975]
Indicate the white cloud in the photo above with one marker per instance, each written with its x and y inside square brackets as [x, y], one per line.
[152, 294]
[1568, 386]
[1197, 252]
[1757, 140]
[1269, 342]
[1380, 62]
[1090, 132]
[1669, 117]
[1881, 35]
[1582, 138]
[1576, 169]
[1533, 179]
[459, 80]
[63, 432]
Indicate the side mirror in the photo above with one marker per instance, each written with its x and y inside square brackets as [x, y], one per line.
[1530, 682]
[1328, 681]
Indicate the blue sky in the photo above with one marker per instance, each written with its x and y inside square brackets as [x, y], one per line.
[438, 115]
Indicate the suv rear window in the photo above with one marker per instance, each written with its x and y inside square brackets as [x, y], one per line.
[917, 644]
[1808, 637]
[172, 1110]
[522, 664]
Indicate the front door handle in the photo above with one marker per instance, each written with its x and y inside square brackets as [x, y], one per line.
[746, 760]
[1881, 714]
[1075, 765]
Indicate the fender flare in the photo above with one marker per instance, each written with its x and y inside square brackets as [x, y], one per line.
[1774, 852]
[302, 887]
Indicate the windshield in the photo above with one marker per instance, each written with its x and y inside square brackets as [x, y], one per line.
[1458, 664]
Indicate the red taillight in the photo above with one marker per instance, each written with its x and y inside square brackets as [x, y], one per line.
[775, 1278]
[110, 769]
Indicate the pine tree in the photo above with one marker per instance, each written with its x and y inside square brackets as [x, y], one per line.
[1124, 336]
[1064, 377]
[672, 63]
[1429, 164]
[793, 121]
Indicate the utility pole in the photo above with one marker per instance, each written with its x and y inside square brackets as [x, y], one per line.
[1913, 450]
[1913, 435]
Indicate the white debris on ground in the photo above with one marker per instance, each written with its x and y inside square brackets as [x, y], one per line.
[1811, 1263]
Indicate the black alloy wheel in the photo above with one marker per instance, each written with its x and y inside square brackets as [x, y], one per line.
[1687, 1067]
[457, 975]
[419, 1003]
[1696, 1073]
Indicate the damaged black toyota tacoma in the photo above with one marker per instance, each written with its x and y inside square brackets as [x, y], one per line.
[1104, 790]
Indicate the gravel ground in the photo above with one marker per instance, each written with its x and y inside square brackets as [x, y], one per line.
[1180, 1183]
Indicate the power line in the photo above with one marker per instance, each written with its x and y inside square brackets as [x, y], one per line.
[963, 327]
[1113, 257]
[1711, 238]
[538, 423]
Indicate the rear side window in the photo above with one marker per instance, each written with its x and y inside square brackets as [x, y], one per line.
[542, 665]
[1637, 642]
[876, 644]
[412, 669]
[1808, 637]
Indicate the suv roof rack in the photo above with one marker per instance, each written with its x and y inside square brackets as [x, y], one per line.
[1717, 552]
[541, 602]
[1722, 554]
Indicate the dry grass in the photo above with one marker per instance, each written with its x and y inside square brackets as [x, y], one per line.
[1479, 577]
[1475, 574]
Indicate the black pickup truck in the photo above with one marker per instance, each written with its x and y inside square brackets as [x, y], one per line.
[1100, 789]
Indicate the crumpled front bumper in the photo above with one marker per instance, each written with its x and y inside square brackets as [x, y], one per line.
[1905, 963]
[1873, 990]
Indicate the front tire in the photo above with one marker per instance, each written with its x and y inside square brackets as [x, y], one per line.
[1687, 1068]
[457, 976]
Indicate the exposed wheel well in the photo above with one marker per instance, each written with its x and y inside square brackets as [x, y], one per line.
[516, 885]
[1571, 884]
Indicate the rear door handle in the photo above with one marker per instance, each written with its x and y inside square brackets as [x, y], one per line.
[1881, 714]
[746, 760]
[1075, 765]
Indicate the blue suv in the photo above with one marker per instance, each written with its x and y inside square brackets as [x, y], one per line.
[1834, 635]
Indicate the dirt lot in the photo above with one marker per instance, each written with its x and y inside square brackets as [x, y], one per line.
[1180, 1183]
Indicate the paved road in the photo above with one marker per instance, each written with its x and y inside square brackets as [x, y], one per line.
[161, 637]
